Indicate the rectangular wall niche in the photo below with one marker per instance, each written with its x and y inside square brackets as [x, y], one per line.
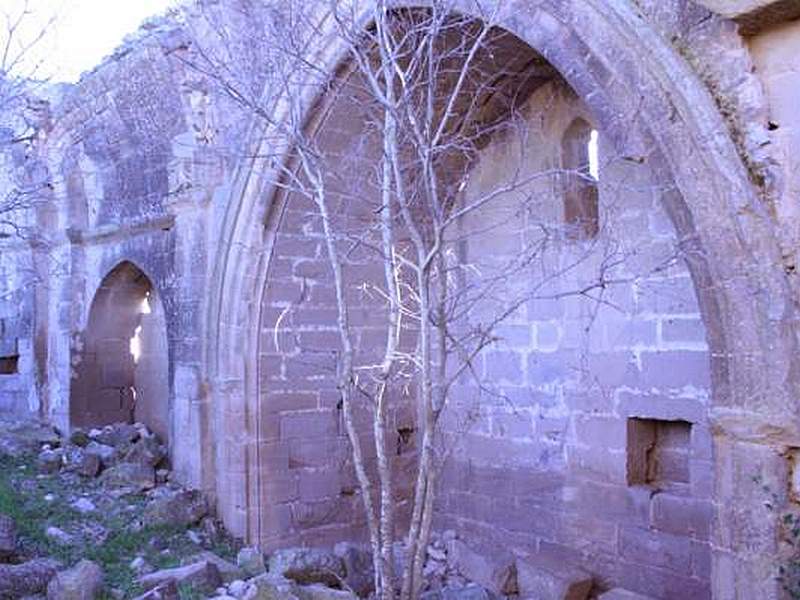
[658, 453]
[9, 365]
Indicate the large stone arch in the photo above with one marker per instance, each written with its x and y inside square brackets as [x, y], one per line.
[646, 98]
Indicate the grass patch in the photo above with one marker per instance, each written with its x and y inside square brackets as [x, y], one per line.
[119, 535]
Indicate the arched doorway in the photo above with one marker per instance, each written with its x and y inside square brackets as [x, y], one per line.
[644, 99]
[120, 371]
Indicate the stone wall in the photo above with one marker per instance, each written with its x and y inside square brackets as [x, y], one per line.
[610, 342]
[148, 161]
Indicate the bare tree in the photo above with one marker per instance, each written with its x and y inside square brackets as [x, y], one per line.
[385, 150]
[22, 113]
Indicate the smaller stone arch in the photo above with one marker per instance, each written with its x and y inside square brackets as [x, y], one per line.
[120, 370]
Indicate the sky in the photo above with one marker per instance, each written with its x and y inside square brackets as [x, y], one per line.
[84, 32]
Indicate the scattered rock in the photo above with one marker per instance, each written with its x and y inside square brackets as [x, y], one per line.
[165, 591]
[180, 508]
[270, 587]
[251, 561]
[82, 462]
[129, 475]
[84, 506]
[79, 437]
[471, 591]
[543, 578]
[204, 576]
[237, 588]
[59, 536]
[26, 579]
[360, 574]
[8, 537]
[147, 451]
[140, 566]
[117, 435]
[106, 454]
[322, 592]
[50, 461]
[308, 565]
[227, 570]
[84, 581]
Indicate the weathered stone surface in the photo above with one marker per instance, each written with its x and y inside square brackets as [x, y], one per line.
[79, 437]
[129, 475]
[620, 594]
[106, 454]
[471, 591]
[270, 587]
[203, 575]
[163, 591]
[323, 592]
[228, 571]
[546, 578]
[251, 561]
[50, 461]
[8, 537]
[493, 569]
[755, 15]
[27, 578]
[308, 566]
[360, 574]
[118, 435]
[181, 507]
[146, 451]
[84, 581]
[82, 462]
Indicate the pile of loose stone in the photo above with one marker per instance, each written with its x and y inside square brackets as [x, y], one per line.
[123, 471]
[107, 466]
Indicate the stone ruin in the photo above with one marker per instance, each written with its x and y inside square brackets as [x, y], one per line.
[635, 443]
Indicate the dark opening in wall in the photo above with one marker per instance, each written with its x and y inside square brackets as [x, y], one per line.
[658, 453]
[580, 162]
[9, 365]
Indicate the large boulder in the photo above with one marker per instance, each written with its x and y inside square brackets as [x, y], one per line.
[84, 581]
[27, 579]
[493, 569]
[8, 538]
[308, 565]
[203, 576]
[359, 570]
[228, 571]
[137, 477]
[540, 577]
[180, 508]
